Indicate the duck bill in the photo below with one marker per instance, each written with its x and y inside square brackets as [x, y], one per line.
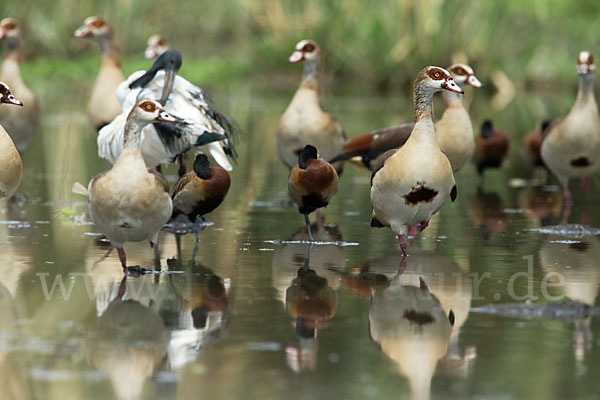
[296, 57]
[474, 82]
[150, 54]
[170, 74]
[452, 86]
[164, 116]
[82, 32]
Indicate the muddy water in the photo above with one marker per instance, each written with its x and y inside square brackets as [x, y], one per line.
[244, 319]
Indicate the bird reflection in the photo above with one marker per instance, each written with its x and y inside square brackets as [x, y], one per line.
[129, 342]
[487, 214]
[574, 261]
[540, 205]
[311, 302]
[196, 312]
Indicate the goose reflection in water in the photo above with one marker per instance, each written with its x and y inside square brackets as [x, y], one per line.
[195, 310]
[487, 214]
[572, 267]
[129, 341]
[540, 205]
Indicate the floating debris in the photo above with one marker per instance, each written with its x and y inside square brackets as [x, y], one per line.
[316, 242]
[264, 346]
[16, 224]
[569, 230]
[281, 203]
[567, 311]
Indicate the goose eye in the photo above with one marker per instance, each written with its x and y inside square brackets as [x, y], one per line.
[148, 106]
[460, 71]
[437, 75]
[97, 23]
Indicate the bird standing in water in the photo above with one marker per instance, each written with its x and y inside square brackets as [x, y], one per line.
[312, 183]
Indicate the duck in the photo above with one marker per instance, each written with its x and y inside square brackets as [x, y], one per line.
[11, 169]
[129, 203]
[532, 143]
[198, 123]
[103, 106]
[572, 144]
[304, 121]
[491, 147]
[312, 183]
[412, 183]
[200, 191]
[21, 122]
[454, 130]
[156, 45]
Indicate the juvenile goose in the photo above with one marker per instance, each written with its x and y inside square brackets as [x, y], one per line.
[411, 183]
[198, 123]
[11, 167]
[103, 106]
[156, 45]
[312, 183]
[491, 147]
[128, 203]
[571, 146]
[454, 130]
[21, 122]
[200, 191]
[304, 121]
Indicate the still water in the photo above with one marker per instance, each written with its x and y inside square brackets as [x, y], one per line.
[244, 320]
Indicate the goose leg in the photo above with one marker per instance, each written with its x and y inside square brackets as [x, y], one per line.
[402, 242]
[413, 230]
[585, 184]
[122, 258]
[568, 203]
[307, 220]
[423, 225]
[122, 288]
[402, 266]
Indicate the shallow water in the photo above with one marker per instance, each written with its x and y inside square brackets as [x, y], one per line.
[244, 320]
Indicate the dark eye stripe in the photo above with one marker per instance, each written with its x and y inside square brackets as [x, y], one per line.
[309, 47]
[436, 74]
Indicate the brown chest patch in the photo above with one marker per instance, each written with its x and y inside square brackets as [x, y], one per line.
[581, 162]
[419, 318]
[420, 194]
[125, 225]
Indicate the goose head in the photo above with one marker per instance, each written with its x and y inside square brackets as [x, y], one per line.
[464, 75]
[7, 97]
[148, 111]
[155, 47]
[95, 27]
[306, 50]
[585, 63]
[434, 79]
[9, 28]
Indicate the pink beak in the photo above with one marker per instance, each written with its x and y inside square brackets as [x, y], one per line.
[296, 56]
[2, 33]
[452, 86]
[164, 116]
[82, 31]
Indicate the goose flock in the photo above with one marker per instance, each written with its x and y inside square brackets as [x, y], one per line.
[155, 116]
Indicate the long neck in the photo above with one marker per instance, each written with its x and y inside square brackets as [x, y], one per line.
[310, 75]
[109, 49]
[423, 99]
[131, 134]
[452, 99]
[12, 48]
[585, 92]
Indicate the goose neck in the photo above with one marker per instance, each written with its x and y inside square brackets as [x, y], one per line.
[131, 133]
[109, 49]
[311, 74]
[585, 90]
[12, 48]
[423, 99]
[452, 99]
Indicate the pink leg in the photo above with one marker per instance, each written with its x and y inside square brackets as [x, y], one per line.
[413, 230]
[122, 288]
[319, 219]
[585, 184]
[402, 266]
[122, 258]
[423, 225]
[402, 241]
[568, 204]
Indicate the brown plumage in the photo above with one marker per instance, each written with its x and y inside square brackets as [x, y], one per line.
[312, 183]
[491, 147]
[200, 191]
[532, 142]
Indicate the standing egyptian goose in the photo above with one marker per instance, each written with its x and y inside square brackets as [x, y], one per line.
[413, 182]
[103, 106]
[200, 191]
[128, 203]
[571, 147]
[156, 45]
[304, 121]
[21, 122]
[11, 167]
[312, 183]
[455, 131]
[491, 147]
[198, 123]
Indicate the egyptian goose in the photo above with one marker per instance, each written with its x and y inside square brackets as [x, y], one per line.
[571, 147]
[455, 131]
[532, 142]
[156, 45]
[103, 106]
[304, 121]
[197, 123]
[128, 203]
[200, 191]
[11, 167]
[491, 147]
[21, 122]
[311, 183]
[411, 183]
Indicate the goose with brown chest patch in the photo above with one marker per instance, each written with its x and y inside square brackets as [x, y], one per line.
[491, 147]
[571, 147]
[103, 106]
[128, 203]
[155, 46]
[11, 166]
[304, 121]
[21, 122]
[411, 183]
[312, 183]
[454, 130]
[200, 191]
